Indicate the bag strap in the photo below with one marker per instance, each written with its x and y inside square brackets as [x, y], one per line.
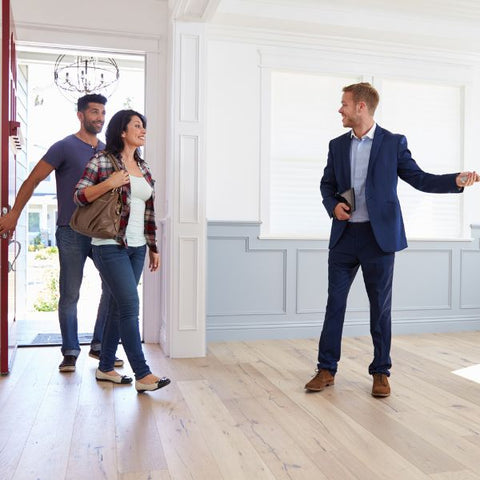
[114, 161]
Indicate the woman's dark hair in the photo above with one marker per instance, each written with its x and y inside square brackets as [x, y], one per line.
[116, 126]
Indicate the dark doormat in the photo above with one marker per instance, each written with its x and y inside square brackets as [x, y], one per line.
[56, 339]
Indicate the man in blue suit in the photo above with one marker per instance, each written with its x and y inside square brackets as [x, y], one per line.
[368, 231]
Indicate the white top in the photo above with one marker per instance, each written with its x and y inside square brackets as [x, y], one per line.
[141, 191]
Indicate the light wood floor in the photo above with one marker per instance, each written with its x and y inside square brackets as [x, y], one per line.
[242, 413]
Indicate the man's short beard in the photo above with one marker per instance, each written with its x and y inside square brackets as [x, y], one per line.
[91, 129]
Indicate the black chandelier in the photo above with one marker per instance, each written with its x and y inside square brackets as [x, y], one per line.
[78, 76]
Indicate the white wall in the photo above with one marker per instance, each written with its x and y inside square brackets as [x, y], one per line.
[233, 131]
[237, 134]
[133, 21]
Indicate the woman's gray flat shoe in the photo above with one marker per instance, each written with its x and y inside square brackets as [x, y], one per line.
[150, 387]
[119, 379]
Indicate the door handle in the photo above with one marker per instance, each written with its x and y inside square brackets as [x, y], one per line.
[5, 210]
[11, 265]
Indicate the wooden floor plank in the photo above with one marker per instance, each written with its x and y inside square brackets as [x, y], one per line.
[47, 449]
[453, 355]
[183, 439]
[139, 447]
[278, 450]
[407, 441]
[332, 422]
[93, 454]
[235, 455]
[22, 362]
[154, 475]
[242, 412]
[463, 475]
[21, 396]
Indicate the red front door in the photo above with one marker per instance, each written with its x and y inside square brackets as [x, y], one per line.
[8, 246]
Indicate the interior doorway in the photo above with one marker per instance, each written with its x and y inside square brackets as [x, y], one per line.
[50, 116]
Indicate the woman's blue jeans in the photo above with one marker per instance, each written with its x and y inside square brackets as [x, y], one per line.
[121, 269]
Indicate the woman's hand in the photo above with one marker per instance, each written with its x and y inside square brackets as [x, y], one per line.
[118, 178]
[154, 261]
[115, 180]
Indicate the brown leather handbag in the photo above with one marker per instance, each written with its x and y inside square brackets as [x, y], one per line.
[101, 218]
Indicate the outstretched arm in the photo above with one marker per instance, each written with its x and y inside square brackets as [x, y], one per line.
[42, 170]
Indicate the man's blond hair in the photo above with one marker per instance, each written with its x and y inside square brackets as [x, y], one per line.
[364, 92]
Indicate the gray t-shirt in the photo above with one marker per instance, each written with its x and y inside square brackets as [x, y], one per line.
[69, 157]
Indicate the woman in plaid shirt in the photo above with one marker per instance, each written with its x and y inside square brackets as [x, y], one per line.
[120, 260]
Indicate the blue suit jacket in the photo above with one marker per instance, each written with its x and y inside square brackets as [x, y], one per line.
[390, 158]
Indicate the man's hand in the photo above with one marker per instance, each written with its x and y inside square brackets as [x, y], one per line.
[8, 223]
[341, 211]
[466, 179]
[41, 171]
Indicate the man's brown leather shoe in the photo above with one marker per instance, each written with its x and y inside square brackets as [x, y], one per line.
[381, 388]
[323, 378]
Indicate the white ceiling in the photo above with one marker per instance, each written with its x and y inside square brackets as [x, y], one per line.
[442, 24]
[313, 10]
[453, 24]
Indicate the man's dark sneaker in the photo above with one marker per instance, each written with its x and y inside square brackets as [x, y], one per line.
[68, 364]
[96, 354]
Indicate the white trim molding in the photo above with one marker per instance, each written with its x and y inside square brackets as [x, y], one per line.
[183, 288]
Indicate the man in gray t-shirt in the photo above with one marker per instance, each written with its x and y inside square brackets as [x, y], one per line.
[68, 157]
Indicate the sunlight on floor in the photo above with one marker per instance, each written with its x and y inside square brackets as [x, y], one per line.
[471, 373]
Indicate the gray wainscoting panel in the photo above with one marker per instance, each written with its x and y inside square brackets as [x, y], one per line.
[277, 288]
[422, 279]
[470, 280]
[312, 280]
[247, 281]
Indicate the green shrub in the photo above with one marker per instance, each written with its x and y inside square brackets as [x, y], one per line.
[41, 255]
[37, 241]
[47, 300]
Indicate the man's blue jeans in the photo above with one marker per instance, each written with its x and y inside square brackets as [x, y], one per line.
[73, 250]
[121, 269]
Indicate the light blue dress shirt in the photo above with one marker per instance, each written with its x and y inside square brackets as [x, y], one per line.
[359, 159]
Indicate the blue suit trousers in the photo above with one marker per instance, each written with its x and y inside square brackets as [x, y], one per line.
[358, 248]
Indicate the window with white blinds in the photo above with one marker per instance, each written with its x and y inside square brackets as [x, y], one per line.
[304, 118]
[431, 117]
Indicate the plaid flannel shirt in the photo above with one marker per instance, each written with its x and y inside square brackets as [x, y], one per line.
[98, 169]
